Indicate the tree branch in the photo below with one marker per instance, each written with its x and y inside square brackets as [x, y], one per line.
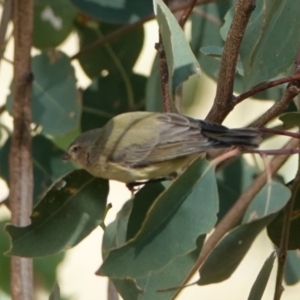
[20, 160]
[186, 13]
[282, 254]
[223, 102]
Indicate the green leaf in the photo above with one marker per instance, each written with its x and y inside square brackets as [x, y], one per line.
[193, 196]
[237, 242]
[290, 119]
[171, 275]
[262, 279]
[76, 203]
[143, 201]
[292, 267]
[154, 98]
[53, 22]
[275, 228]
[115, 11]
[45, 269]
[205, 34]
[116, 58]
[232, 181]
[55, 294]
[180, 58]
[54, 101]
[106, 97]
[212, 51]
[263, 58]
[47, 164]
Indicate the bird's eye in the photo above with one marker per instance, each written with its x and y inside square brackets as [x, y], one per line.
[75, 149]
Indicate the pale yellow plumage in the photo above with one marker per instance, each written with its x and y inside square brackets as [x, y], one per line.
[143, 145]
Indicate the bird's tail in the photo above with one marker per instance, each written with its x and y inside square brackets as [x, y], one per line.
[226, 137]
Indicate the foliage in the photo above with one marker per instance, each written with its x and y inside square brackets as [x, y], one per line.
[156, 239]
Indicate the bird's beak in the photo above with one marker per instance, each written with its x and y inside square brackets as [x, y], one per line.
[66, 157]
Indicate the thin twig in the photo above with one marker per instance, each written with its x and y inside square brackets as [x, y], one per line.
[223, 102]
[186, 13]
[20, 157]
[129, 27]
[164, 75]
[282, 253]
[265, 86]
[208, 17]
[164, 72]
[233, 216]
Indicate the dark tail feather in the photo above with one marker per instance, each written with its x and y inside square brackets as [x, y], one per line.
[226, 137]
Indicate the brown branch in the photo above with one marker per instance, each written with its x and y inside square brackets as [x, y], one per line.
[186, 13]
[223, 102]
[128, 27]
[164, 75]
[265, 86]
[292, 90]
[20, 160]
[285, 238]
[233, 216]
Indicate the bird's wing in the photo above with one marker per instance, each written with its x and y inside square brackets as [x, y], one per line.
[167, 137]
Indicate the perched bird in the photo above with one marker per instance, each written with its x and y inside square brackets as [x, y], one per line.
[139, 146]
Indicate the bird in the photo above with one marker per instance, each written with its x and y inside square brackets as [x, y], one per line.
[143, 146]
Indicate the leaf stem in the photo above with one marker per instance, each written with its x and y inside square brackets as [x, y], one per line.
[186, 13]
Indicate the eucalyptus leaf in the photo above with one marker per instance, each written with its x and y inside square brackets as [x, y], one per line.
[290, 119]
[116, 58]
[55, 105]
[53, 22]
[292, 267]
[180, 58]
[47, 164]
[193, 196]
[76, 203]
[275, 228]
[106, 97]
[263, 58]
[206, 34]
[45, 268]
[172, 274]
[115, 11]
[263, 209]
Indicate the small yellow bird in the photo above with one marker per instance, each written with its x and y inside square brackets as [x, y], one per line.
[139, 146]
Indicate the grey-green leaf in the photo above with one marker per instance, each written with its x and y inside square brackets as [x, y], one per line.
[262, 56]
[263, 209]
[55, 104]
[69, 211]
[193, 196]
[115, 11]
[180, 58]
